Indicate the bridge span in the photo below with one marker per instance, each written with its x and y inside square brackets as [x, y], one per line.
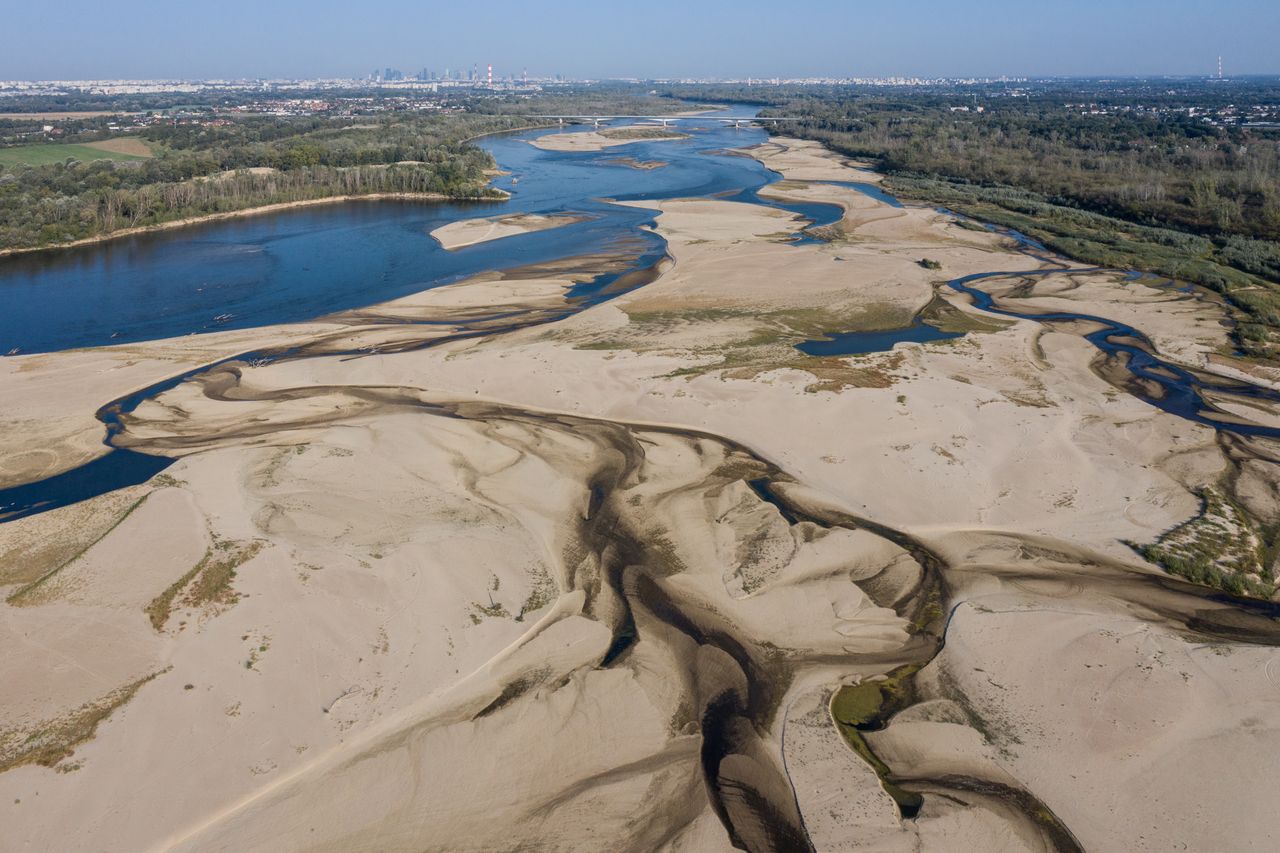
[597, 120]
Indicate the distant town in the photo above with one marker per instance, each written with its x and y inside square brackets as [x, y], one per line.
[391, 90]
[474, 77]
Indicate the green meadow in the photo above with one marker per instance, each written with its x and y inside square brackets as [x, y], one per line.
[40, 155]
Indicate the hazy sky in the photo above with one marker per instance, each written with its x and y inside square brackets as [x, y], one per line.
[71, 39]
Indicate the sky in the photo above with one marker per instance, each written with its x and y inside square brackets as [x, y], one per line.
[181, 39]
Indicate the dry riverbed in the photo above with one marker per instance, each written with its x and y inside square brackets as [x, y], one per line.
[593, 579]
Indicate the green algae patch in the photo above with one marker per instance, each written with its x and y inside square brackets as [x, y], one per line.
[857, 708]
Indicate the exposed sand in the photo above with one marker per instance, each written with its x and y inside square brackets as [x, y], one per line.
[468, 232]
[643, 165]
[593, 140]
[589, 583]
[805, 160]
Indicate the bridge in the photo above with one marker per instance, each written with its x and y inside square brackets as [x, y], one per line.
[597, 120]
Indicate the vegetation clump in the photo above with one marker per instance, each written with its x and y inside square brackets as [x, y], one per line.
[642, 132]
[865, 707]
[1222, 547]
[207, 584]
[52, 741]
[542, 591]
[44, 587]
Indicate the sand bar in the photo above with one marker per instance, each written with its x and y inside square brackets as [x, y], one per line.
[597, 140]
[468, 232]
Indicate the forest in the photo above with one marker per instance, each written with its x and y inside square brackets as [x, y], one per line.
[199, 170]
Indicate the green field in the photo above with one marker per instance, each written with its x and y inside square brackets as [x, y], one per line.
[39, 155]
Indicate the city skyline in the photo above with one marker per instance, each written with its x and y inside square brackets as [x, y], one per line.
[661, 39]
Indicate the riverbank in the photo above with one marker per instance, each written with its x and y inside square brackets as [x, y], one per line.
[248, 211]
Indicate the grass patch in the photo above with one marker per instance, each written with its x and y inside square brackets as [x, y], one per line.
[945, 317]
[43, 155]
[777, 324]
[208, 584]
[160, 608]
[54, 740]
[496, 610]
[864, 707]
[542, 591]
[212, 585]
[641, 132]
[1222, 547]
[27, 595]
[767, 341]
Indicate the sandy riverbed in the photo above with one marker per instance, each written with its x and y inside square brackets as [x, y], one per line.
[590, 582]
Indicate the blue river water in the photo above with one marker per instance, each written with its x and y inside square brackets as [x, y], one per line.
[861, 343]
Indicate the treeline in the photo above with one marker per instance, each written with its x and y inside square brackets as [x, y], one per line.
[202, 169]
[1171, 171]
[1147, 159]
[291, 143]
[70, 217]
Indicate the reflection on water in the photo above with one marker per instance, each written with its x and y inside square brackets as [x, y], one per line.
[861, 343]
